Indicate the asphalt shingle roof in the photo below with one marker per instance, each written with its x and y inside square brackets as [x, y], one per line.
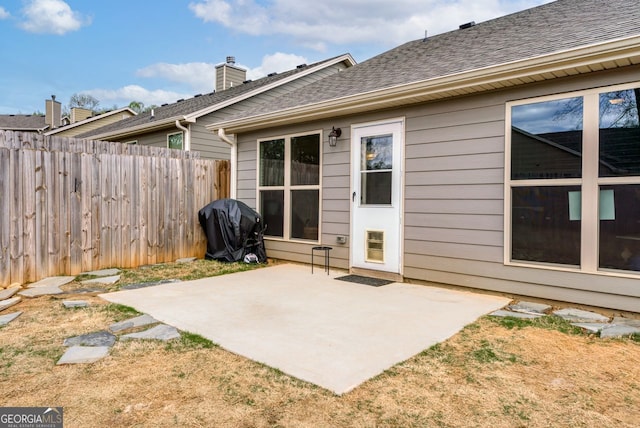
[22, 121]
[545, 29]
[197, 103]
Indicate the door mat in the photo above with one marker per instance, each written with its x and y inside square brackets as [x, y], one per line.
[358, 279]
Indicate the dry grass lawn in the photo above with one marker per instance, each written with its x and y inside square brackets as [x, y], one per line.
[495, 373]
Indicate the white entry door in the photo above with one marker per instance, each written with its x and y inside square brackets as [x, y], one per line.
[376, 223]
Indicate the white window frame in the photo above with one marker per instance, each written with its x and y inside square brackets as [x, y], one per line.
[287, 188]
[176, 133]
[590, 183]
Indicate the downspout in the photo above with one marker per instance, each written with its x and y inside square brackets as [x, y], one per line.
[187, 136]
[232, 161]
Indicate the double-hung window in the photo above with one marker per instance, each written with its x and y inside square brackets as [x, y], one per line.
[573, 181]
[289, 186]
[175, 141]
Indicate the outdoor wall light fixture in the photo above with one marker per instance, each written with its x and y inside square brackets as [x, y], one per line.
[333, 136]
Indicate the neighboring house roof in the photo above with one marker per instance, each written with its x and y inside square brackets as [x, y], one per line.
[191, 109]
[91, 120]
[553, 40]
[22, 122]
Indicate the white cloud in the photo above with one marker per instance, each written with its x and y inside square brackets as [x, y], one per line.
[199, 77]
[352, 21]
[3, 13]
[277, 62]
[52, 17]
[123, 96]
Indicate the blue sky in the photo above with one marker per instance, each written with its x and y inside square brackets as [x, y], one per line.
[160, 51]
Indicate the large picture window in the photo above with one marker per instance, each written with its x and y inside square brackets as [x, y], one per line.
[289, 186]
[573, 175]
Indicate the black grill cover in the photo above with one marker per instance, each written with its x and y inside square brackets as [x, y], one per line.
[233, 230]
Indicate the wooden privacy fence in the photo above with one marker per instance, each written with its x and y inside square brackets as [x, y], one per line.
[69, 206]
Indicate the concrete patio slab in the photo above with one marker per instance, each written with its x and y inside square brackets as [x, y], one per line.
[331, 333]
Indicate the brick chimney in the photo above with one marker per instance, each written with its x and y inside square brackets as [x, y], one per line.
[53, 112]
[229, 75]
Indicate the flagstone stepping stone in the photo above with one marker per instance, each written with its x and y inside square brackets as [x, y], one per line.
[5, 294]
[104, 280]
[591, 326]
[160, 332]
[15, 285]
[578, 315]
[99, 338]
[140, 321]
[102, 272]
[187, 260]
[41, 291]
[529, 307]
[148, 284]
[53, 281]
[75, 303]
[83, 354]
[9, 302]
[503, 313]
[6, 319]
[619, 331]
[85, 290]
[626, 321]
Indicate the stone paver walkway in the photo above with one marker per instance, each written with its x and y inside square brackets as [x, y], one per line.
[587, 320]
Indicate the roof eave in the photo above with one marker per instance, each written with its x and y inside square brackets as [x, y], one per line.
[343, 58]
[606, 55]
[89, 120]
[146, 127]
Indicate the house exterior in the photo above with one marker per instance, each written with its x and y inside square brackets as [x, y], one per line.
[37, 123]
[502, 156]
[82, 121]
[23, 123]
[182, 125]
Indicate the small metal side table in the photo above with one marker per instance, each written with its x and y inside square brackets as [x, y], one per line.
[326, 257]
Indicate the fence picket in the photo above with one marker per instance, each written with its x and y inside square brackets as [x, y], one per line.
[69, 206]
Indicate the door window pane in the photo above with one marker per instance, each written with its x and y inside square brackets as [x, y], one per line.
[620, 227]
[272, 163]
[305, 208]
[305, 160]
[545, 224]
[376, 153]
[546, 140]
[619, 133]
[376, 165]
[375, 188]
[272, 211]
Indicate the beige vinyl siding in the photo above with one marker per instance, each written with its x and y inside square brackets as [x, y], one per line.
[155, 139]
[90, 126]
[453, 197]
[454, 201]
[335, 194]
[208, 143]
